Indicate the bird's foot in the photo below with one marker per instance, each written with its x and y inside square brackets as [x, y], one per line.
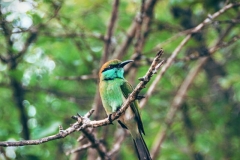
[110, 118]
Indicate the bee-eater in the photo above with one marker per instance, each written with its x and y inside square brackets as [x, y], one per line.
[114, 89]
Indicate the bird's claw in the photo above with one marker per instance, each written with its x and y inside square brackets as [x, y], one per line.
[110, 118]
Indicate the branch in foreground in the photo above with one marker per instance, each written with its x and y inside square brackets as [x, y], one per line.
[85, 122]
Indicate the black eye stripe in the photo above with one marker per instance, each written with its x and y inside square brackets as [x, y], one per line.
[110, 67]
[113, 65]
[105, 69]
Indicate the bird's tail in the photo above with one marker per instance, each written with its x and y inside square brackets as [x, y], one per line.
[141, 148]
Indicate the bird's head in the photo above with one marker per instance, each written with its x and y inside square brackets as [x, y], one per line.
[113, 69]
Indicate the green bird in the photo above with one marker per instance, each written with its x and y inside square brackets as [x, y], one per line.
[114, 89]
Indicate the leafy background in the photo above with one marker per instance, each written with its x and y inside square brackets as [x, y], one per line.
[46, 46]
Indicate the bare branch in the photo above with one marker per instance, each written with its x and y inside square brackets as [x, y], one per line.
[109, 34]
[163, 70]
[180, 46]
[97, 144]
[178, 99]
[31, 38]
[131, 32]
[72, 35]
[84, 122]
[117, 144]
[83, 147]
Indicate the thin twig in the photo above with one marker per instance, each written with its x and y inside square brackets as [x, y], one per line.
[83, 147]
[180, 46]
[178, 99]
[131, 32]
[85, 122]
[163, 70]
[117, 144]
[109, 34]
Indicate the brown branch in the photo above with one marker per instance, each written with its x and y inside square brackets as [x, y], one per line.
[208, 20]
[138, 34]
[18, 97]
[97, 144]
[3, 59]
[117, 144]
[7, 34]
[132, 30]
[73, 35]
[123, 47]
[143, 21]
[11, 60]
[163, 70]
[180, 95]
[180, 46]
[84, 122]
[31, 38]
[56, 5]
[228, 21]
[230, 42]
[176, 103]
[109, 34]
[83, 147]
[62, 133]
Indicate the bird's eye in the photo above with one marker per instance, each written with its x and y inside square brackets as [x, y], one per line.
[111, 66]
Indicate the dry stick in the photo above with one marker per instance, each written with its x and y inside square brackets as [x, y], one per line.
[163, 70]
[96, 144]
[219, 43]
[33, 33]
[84, 122]
[138, 35]
[11, 61]
[61, 134]
[178, 99]
[122, 49]
[176, 102]
[109, 34]
[117, 144]
[83, 147]
[190, 31]
[177, 50]
[138, 46]
[72, 35]
[142, 31]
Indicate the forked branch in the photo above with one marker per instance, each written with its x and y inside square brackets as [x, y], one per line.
[84, 122]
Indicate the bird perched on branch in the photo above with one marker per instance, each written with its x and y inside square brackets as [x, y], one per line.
[114, 89]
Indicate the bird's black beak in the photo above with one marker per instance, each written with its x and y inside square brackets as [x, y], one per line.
[124, 63]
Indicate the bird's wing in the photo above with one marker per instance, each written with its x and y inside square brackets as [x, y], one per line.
[126, 89]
